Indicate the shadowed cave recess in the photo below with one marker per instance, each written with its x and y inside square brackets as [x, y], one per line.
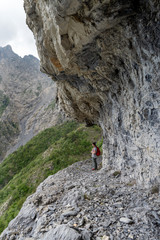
[105, 57]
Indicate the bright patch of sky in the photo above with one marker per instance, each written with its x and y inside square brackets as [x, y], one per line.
[13, 28]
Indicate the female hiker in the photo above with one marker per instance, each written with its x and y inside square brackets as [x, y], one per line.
[94, 156]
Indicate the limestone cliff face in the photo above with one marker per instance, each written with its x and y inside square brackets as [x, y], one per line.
[105, 57]
[27, 99]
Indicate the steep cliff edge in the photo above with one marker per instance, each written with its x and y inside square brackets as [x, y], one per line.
[105, 57]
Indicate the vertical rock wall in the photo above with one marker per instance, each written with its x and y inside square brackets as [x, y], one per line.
[105, 57]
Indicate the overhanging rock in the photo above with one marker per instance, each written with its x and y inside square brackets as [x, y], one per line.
[105, 57]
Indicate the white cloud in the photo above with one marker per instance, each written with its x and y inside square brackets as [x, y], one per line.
[13, 28]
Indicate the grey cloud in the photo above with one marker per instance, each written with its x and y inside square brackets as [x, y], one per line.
[13, 29]
[7, 33]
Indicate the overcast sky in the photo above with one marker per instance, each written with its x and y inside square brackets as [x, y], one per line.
[13, 29]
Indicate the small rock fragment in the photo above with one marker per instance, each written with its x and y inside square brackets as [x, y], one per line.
[105, 238]
[126, 220]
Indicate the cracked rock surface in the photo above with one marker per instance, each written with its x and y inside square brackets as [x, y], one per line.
[105, 57]
[79, 204]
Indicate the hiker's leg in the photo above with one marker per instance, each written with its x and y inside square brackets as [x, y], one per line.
[94, 163]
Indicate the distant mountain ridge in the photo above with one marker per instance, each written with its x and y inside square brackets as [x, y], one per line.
[27, 100]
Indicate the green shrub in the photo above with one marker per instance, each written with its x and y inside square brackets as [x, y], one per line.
[4, 102]
[100, 144]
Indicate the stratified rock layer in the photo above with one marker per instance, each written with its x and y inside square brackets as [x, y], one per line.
[105, 57]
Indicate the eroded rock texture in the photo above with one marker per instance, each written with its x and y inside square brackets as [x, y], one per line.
[105, 57]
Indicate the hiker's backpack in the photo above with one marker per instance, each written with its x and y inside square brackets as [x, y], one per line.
[98, 153]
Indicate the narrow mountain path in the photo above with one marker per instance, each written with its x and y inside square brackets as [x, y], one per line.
[80, 204]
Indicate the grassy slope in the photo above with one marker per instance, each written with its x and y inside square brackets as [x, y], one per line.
[48, 152]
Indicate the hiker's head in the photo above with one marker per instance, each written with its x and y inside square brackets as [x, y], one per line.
[94, 144]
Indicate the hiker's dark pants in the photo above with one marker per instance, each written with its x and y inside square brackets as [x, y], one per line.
[94, 163]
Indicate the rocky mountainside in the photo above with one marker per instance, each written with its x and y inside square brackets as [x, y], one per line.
[78, 204]
[105, 57]
[27, 100]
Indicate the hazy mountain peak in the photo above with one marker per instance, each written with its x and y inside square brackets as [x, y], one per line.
[7, 48]
[7, 52]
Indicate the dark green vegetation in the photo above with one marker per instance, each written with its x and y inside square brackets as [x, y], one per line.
[50, 151]
[4, 101]
[8, 129]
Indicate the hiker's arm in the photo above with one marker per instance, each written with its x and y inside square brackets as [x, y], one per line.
[93, 151]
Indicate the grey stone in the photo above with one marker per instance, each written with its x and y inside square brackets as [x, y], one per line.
[13, 237]
[70, 213]
[126, 220]
[105, 223]
[62, 232]
[105, 238]
[86, 235]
